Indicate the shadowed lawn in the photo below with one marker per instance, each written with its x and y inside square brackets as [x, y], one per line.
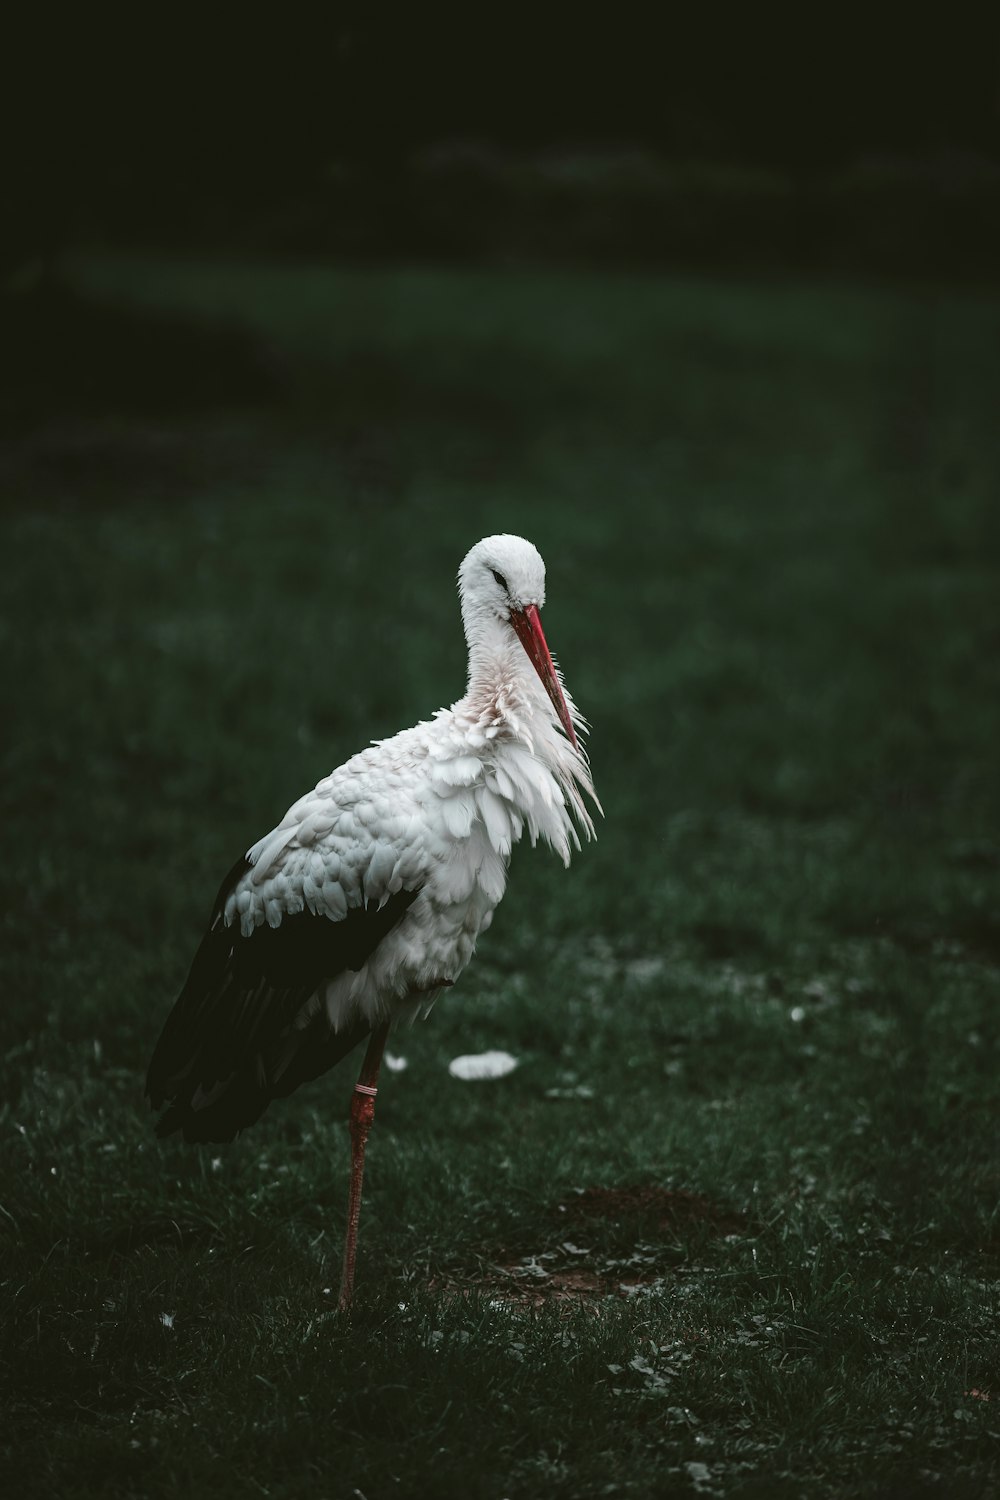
[755, 1022]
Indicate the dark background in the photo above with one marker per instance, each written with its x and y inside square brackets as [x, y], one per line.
[852, 140]
[715, 141]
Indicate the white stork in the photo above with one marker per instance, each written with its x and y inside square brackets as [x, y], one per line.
[368, 897]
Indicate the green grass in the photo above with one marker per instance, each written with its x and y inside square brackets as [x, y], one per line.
[770, 521]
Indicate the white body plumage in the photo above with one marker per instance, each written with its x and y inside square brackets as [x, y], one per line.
[440, 807]
[434, 812]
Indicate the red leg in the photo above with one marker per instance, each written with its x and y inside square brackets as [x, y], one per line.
[362, 1115]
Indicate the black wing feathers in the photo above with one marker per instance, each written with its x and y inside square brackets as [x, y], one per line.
[217, 1061]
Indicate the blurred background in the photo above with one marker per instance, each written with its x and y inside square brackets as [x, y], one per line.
[703, 142]
[694, 138]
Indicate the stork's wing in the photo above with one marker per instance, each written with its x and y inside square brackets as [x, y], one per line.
[230, 1045]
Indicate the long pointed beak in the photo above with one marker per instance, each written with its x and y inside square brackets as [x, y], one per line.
[528, 624]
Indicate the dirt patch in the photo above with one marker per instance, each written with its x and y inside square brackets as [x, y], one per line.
[577, 1274]
[524, 1281]
[536, 1281]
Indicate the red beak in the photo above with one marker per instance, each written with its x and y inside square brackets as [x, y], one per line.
[527, 622]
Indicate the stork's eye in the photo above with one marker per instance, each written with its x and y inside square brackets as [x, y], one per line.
[501, 580]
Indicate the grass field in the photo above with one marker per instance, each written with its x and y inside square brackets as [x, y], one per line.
[756, 1022]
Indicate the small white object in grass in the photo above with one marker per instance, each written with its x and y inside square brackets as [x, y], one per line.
[216, 1163]
[167, 1319]
[478, 1065]
[797, 1013]
[699, 1474]
[396, 1064]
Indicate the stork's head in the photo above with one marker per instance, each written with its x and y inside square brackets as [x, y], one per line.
[502, 587]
